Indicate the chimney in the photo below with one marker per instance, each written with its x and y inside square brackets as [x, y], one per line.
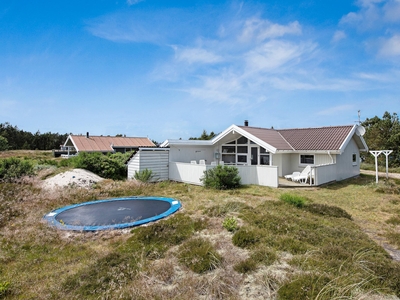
[246, 123]
[87, 134]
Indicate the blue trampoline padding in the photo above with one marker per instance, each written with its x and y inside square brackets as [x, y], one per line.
[114, 213]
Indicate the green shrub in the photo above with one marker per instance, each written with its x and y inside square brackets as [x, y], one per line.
[303, 286]
[328, 210]
[14, 168]
[3, 143]
[245, 266]
[154, 240]
[111, 165]
[245, 237]
[4, 288]
[230, 224]
[145, 175]
[199, 255]
[292, 199]
[221, 178]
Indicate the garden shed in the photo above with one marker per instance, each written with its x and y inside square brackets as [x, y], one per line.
[154, 159]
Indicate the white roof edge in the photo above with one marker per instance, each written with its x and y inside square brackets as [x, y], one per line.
[72, 141]
[185, 142]
[245, 134]
[349, 137]
[154, 148]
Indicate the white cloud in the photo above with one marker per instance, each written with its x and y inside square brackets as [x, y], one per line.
[338, 36]
[260, 30]
[336, 109]
[196, 55]
[390, 47]
[272, 55]
[133, 2]
[392, 11]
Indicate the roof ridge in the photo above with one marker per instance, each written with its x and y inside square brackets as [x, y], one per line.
[285, 140]
[320, 127]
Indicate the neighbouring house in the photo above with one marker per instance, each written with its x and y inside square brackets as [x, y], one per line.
[263, 155]
[104, 144]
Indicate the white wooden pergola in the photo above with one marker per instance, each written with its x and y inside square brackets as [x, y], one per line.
[376, 154]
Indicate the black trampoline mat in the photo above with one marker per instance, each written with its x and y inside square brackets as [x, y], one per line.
[112, 212]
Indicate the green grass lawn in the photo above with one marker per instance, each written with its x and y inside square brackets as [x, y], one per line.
[313, 243]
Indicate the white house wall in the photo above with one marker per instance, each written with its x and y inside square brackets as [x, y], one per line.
[186, 154]
[345, 168]
[155, 160]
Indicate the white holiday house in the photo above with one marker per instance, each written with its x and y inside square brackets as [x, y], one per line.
[263, 155]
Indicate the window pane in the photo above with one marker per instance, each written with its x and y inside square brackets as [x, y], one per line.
[263, 150]
[307, 159]
[228, 158]
[242, 158]
[228, 149]
[242, 149]
[264, 160]
[242, 140]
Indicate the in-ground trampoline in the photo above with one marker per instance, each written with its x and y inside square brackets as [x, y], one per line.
[115, 213]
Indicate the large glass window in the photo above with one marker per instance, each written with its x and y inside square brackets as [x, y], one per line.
[306, 159]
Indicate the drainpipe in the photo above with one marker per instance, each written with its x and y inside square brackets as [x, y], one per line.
[329, 153]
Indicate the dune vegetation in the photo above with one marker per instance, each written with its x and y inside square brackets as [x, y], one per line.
[339, 241]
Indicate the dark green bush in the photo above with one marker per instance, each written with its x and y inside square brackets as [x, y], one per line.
[328, 210]
[14, 168]
[199, 255]
[111, 165]
[221, 178]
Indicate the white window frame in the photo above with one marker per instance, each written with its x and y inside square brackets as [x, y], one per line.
[303, 164]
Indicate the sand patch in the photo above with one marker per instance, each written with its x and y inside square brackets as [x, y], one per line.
[76, 177]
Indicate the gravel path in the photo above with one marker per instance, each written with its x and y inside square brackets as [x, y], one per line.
[380, 174]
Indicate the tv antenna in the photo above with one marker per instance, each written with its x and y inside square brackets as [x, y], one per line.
[359, 117]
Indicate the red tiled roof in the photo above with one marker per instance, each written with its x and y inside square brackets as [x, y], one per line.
[322, 138]
[106, 143]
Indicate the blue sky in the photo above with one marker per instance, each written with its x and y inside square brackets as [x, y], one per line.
[170, 69]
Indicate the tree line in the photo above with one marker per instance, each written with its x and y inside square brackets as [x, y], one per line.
[383, 134]
[13, 138]
[380, 134]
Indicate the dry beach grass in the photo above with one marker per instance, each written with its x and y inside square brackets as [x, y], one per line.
[285, 250]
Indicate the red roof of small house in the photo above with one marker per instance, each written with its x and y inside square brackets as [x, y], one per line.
[108, 143]
[321, 138]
